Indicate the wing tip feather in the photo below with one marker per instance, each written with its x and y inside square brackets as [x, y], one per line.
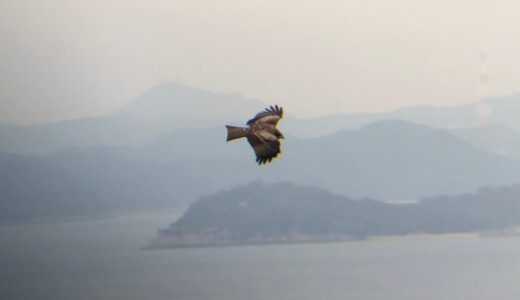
[275, 109]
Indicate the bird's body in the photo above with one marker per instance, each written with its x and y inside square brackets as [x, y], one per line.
[261, 134]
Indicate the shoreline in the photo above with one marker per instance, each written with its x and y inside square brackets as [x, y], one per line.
[163, 242]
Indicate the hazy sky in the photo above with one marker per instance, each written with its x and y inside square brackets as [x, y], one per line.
[67, 58]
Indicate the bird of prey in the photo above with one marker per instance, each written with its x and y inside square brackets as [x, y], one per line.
[261, 133]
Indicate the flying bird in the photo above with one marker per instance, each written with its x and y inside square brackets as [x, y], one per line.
[261, 134]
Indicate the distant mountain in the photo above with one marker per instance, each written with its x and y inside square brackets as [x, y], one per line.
[494, 138]
[170, 106]
[206, 143]
[188, 107]
[388, 160]
[167, 147]
[394, 160]
[92, 181]
[125, 184]
[285, 213]
[159, 110]
[32, 188]
[503, 110]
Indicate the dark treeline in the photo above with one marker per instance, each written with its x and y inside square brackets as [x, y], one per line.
[281, 211]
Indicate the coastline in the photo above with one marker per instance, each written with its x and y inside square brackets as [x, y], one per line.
[176, 242]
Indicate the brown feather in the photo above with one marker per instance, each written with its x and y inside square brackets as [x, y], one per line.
[270, 115]
[262, 134]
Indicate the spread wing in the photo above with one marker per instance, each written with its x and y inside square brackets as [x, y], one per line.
[265, 144]
[270, 115]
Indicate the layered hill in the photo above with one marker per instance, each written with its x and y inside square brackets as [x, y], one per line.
[396, 160]
[170, 106]
[284, 213]
[502, 110]
[31, 188]
[494, 138]
[388, 160]
[167, 148]
[161, 109]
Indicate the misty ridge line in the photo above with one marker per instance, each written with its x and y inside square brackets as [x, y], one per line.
[130, 108]
[151, 156]
[170, 106]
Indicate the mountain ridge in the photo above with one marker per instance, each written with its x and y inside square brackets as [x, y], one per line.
[259, 213]
[170, 105]
[143, 119]
[388, 160]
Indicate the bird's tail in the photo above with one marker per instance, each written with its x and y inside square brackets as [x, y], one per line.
[235, 132]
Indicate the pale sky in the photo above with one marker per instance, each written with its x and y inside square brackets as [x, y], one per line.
[62, 59]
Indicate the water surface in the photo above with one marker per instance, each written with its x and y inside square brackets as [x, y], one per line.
[102, 259]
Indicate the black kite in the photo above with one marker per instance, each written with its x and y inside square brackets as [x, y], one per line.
[261, 133]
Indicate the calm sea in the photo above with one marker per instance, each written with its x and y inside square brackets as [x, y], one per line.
[102, 259]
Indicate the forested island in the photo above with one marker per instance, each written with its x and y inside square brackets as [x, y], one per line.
[260, 213]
